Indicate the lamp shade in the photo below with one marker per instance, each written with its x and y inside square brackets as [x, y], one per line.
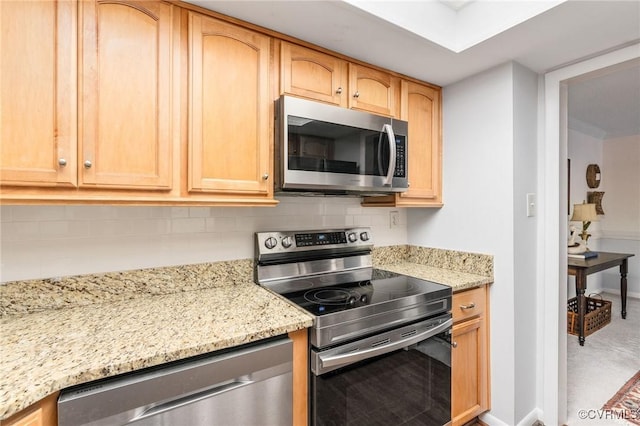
[584, 213]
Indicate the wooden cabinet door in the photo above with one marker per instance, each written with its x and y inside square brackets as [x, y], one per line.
[229, 109]
[372, 90]
[465, 372]
[38, 93]
[32, 419]
[314, 75]
[42, 413]
[421, 108]
[125, 100]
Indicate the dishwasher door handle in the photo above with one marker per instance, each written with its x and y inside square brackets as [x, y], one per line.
[190, 399]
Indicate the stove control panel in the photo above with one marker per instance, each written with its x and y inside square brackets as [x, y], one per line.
[297, 241]
[322, 238]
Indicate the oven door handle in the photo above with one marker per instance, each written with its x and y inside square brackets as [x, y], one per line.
[337, 361]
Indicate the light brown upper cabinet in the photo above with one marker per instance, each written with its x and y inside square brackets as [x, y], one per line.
[230, 109]
[312, 74]
[125, 95]
[322, 77]
[373, 90]
[85, 96]
[420, 106]
[38, 93]
[130, 101]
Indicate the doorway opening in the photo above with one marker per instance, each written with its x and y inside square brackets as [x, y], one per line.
[552, 252]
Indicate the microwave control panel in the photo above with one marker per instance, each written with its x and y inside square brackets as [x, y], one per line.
[401, 158]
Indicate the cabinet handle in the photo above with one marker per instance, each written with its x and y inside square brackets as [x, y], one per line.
[339, 91]
[62, 162]
[454, 344]
[265, 176]
[356, 95]
[469, 306]
[87, 164]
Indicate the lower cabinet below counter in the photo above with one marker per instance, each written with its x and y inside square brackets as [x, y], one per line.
[42, 413]
[470, 390]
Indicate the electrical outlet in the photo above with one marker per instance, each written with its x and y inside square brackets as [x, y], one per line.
[394, 219]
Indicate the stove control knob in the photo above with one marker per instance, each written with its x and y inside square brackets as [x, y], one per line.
[286, 242]
[352, 301]
[270, 243]
[364, 236]
[352, 237]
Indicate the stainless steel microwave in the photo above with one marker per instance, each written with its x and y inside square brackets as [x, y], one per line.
[329, 149]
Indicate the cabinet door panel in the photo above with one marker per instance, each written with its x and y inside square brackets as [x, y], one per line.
[372, 90]
[313, 75]
[125, 109]
[229, 127]
[37, 93]
[421, 107]
[465, 368]
[33, 419]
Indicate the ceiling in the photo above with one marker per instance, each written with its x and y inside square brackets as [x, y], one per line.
[443, 42]
[606, 104]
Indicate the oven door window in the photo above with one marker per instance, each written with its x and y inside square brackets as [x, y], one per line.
[410, 386]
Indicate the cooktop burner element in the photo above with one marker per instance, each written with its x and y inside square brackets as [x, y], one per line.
[330, 274]
[331, 299]
[331, 296]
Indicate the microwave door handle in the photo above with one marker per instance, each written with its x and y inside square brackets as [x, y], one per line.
[392, 154]
[379, 156]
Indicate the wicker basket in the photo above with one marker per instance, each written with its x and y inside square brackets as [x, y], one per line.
[597, 315]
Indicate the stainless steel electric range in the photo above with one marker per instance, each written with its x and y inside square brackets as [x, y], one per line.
[380, 344]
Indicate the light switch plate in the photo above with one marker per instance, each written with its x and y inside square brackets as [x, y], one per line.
[531, 205]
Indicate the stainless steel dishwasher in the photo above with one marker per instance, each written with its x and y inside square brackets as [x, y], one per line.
[247, 386]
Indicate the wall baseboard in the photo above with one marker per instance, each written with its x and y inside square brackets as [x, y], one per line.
[531, 419]
[616, 291]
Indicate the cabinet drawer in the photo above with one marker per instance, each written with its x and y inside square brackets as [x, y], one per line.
[468, 304]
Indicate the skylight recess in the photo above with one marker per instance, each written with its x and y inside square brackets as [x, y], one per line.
[456, 25]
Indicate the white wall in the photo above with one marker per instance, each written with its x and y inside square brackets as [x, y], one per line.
[525, 102]
[48, 241]
[489, 151]
[582, 150]
[620, 225]
[618, 230]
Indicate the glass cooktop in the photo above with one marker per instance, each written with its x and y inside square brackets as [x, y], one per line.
[384, 286]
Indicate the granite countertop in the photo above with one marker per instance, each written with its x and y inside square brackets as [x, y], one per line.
[459, 270]
[45, 350]
[458, 281]
[57, 333]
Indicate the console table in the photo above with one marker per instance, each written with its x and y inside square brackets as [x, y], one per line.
[581, 268]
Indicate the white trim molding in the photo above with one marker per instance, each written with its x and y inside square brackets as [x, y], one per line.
[552, 250]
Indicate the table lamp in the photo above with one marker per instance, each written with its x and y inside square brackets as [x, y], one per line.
[585, 213]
